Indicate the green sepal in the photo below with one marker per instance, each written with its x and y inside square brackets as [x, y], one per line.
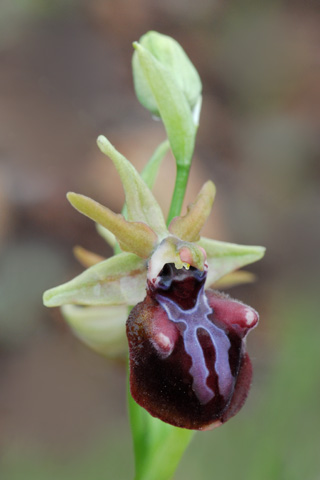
[101, 328]
[188, 227]
[119, 280]
[148, 174]
[172, 57]
[223, 257]
[158, 446]
[173, 107]
[135, 237]
[238, 277]
[141, 204]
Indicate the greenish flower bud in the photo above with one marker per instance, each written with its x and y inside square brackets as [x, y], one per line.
[173, 58]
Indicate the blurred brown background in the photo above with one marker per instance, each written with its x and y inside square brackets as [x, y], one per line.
[65, 77]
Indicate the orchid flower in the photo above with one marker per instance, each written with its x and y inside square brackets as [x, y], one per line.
[188, 362]
[187, 353]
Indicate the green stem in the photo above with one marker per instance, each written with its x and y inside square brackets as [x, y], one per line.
[179, 191]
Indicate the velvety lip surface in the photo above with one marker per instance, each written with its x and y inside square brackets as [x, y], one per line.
[188, 365]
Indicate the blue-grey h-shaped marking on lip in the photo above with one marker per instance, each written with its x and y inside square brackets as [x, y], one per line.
[194, 319]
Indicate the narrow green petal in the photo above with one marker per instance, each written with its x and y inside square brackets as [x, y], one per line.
[223, 257]
[172, 104]
[189, 226]
[233, 279]
[133, 237]
[141, 204]
[119, 280]
[85, 257]
[101, 328]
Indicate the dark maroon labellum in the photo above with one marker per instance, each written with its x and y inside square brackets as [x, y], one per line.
[188, 364]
